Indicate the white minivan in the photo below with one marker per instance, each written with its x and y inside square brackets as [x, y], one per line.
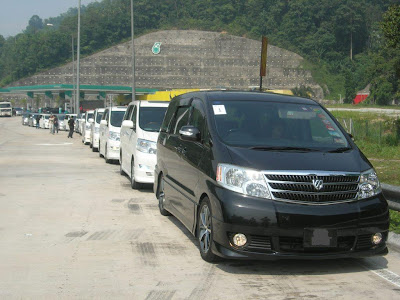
[139, 134]
[110, 127]
[95, 130]
[86, 126]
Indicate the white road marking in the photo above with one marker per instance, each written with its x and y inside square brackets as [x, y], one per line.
[383, 273]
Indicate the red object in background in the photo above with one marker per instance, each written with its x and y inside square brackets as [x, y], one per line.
[360, 98]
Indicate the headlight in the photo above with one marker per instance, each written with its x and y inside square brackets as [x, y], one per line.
[146, 146]
[243, 180]
[369, 185]
[112, 135]
[96, 129]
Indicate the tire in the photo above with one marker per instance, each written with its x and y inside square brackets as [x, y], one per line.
[161, 197]
[93, 149]
[205, 231]
[100, 150]
[122, 172]
[105, 155]
[134, 185]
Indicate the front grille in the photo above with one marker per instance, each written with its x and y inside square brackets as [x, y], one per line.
[295, 244]
[314, 188]
[259, 244]
[364, 241]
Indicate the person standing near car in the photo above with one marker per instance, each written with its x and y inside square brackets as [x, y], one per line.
[71, 123]
[55, 126]
[37, 121]
[51, 124]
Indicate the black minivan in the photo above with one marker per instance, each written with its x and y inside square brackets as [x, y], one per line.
[265, 176]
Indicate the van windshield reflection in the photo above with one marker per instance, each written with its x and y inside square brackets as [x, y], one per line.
[263, 125]
[150, 118]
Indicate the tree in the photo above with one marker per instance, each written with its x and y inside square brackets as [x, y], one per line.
[34, 25]
[391, 26]
[350, 87]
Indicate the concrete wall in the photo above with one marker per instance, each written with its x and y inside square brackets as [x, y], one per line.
[188, 59]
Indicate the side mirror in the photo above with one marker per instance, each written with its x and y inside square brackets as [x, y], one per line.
[103, 122]
[91, 120]
[351, 136]
[127, 124]
[189, 133]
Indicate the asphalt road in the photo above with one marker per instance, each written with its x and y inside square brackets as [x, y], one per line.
[72, 228]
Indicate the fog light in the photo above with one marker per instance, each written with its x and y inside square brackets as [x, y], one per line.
[239, 239]
[376, 238]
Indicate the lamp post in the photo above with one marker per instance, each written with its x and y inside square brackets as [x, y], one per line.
[72, 103]
[133, 55]
[77, 96]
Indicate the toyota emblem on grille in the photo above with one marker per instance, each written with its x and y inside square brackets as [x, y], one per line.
[318, 184]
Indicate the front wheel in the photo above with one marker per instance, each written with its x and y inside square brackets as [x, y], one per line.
[121, 171]
[161, 198]
[205, 231]
[100, 155]
[134, 184]
[105, 155]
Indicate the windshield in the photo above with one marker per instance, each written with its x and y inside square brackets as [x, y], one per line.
[116, 118]
[150, 118]
[89, 116]
[272, 124]
[61, 118]
[99, 116]
[5, 105]
[46, 117]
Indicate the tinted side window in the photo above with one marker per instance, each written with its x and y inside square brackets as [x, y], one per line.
[134, 114]
[169, 114]
[181, 118]
[197, 116]
[128, 112]
[105, 116]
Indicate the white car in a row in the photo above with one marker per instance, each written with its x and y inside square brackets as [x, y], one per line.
[139, 133]
[128, 135]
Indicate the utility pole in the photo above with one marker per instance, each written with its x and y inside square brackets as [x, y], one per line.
[133, 55]
[72, 104]
[78, 50]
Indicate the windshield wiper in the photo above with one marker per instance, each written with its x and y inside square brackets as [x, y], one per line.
[339, 150]
[266, 148]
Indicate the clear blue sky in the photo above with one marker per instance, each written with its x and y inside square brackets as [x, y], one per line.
[15, 14]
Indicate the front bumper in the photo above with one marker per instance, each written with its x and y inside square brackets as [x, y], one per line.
[95, 140]
[144, 167]
[6, 113]
[278, 230]
[86, 137]
[113, 149]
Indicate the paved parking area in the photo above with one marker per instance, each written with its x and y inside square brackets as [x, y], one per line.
[72, 228]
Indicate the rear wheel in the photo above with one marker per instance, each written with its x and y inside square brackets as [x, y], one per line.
[134, 184]
[205, 231]
[161, 197]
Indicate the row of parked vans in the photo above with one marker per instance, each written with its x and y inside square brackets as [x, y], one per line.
[251, 175]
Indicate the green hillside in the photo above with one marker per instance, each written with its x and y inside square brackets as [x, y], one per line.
[347, 43]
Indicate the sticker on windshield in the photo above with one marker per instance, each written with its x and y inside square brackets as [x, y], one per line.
[219, 109]
[334, 133]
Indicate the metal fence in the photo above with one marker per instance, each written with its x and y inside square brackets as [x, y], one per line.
[378, 131]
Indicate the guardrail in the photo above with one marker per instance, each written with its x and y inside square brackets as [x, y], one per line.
[392, 195]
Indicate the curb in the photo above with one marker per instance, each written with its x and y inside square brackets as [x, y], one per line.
[394, 241]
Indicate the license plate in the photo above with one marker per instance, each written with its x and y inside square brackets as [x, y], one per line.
[319, 237]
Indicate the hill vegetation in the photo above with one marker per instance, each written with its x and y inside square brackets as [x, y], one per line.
[348, 44]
